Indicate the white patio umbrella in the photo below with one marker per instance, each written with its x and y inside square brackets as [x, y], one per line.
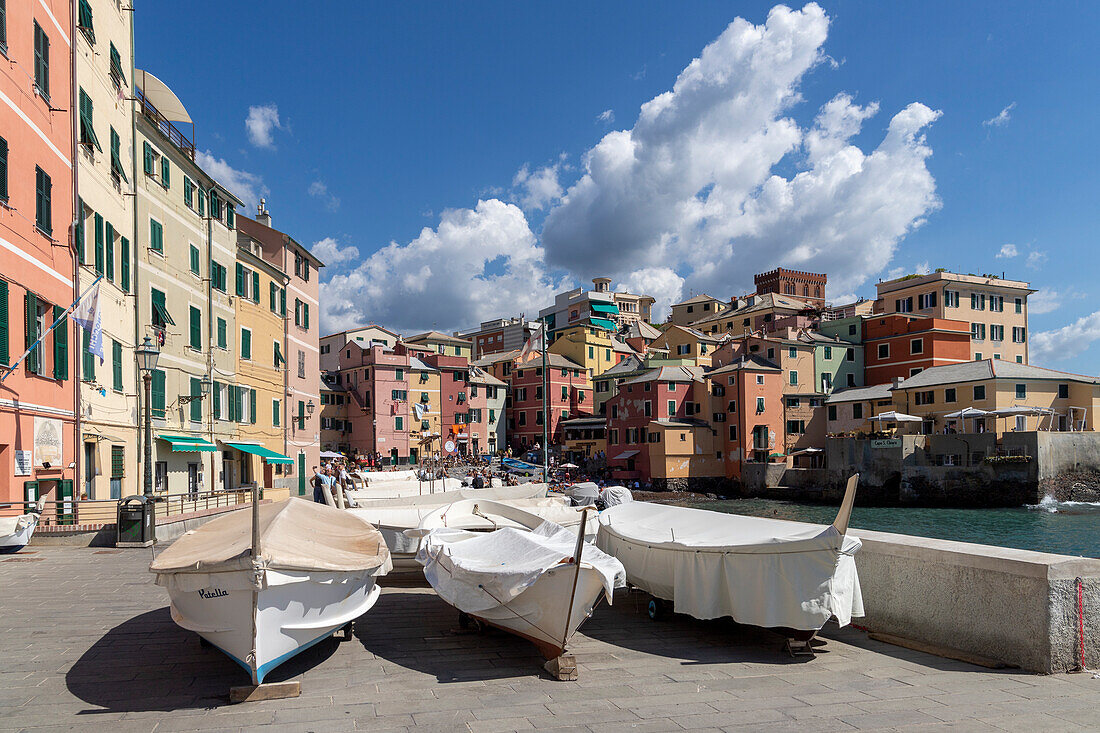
[893, 416]
[1024, 410]
[967, 412]
[569, 465]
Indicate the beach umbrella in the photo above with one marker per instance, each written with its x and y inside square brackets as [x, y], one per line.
[893, 416]
[968, 412]
[569, 465]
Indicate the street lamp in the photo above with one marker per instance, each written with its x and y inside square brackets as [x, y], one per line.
[204, 390]
[147, 355]
[310, 407]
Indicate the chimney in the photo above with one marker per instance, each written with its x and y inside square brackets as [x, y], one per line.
[262, 214]
[898, 381]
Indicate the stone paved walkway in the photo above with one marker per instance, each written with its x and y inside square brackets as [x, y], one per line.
[87, 644]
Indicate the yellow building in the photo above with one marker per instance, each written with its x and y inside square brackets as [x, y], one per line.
[441, 343]
[684, 448]
[594, 348]
[687, 343]
[256, 400]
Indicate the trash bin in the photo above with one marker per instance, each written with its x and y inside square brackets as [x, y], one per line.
[136, 522]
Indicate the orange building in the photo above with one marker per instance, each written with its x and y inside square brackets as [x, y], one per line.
[37, 399]
[901, 345]
[747, 396]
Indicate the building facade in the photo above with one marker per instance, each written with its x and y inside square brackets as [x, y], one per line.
[898, 345]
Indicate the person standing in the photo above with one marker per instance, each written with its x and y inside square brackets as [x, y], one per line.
[318, 482]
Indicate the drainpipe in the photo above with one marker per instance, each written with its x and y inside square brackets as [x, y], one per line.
[78, 444]
[210, 335]
[134, 259]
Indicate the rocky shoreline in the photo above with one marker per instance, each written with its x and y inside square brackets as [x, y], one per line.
[1073, 486]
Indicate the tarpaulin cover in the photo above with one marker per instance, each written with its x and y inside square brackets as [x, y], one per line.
[763, 572]
[615, 495]
[295, 535]
[15, 524]
[583, 494]
[376, 476]
[475, 571]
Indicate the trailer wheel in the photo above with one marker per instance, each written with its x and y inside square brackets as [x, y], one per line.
[657, 609]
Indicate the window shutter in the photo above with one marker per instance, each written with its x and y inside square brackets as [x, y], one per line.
[116, 365]
[217, 391]
[60, 345]
[246, 344]
[305, 316]
[4, 351]
[196, 328]
[255, 287]
[196, 405]
[157, 402]
[240, 279]
[109, 237]
[32, 331]
[202, 202]
[275, 413]
[222, 333]
[80, 231]
[301, 415]
[124, 264]
[4, 167]
[274, 304]
[195, 260]
[148, 149]
[165, 172]
[98, 244]
[86, 356]
[282, 302]
[252, 406]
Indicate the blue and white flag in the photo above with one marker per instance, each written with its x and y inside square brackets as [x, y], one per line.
[87, 315]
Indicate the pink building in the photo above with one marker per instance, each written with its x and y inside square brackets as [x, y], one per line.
[376, 381]
[664, 393]
[302, 376]
[38, 425]
[570, 396]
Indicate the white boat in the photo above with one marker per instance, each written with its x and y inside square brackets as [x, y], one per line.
[788, 576]
[265, 584]
[515, 571]
[15, 532]
[392, 517]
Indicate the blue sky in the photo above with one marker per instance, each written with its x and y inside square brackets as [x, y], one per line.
[394, 121]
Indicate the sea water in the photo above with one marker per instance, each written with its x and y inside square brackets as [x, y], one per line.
[1065, 528]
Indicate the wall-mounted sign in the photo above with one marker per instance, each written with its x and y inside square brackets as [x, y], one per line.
[886, 443]
[23, 463]
[48, 442]
[449, 446]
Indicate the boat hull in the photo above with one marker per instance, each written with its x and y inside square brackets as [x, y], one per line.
[21, 537]
[294, 611]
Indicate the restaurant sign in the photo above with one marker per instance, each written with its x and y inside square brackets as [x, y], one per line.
[886, 443]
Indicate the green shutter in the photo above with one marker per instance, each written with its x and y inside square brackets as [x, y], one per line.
[157, 402]
[98, 244]
[222, 336]
[252, 406]
[217, 399]
[274, 297]
[116, 366]
[165, 171]
[116, 156]
[234, 412]
[246, 344]
[196, 405]
[195, 260]
[32, 331]
[275, 417]
[240, 279]
[84, 20]
[118, 461]
[80, 239]
[148, 157]
[196, 329]
[188, 191]
[124, 264]
[60, 344]
[255, 287]
[282, 302]
[87, 131]
[109, 241]
[3, 169]
[305, 316]
[87, 358]
[116, 66]
[301, 415]
[4, 351]
[202, 202]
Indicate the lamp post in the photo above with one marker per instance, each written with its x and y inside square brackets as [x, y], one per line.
[310, 407]
[147, 355]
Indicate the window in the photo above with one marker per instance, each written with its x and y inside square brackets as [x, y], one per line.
[793, 377]
[246, 343]
[4, 176]
[301, 364]
[399, 375]
[1063, 391]
[828, 352]
[195, 341]
[156, 402]
[903, 305]
[916, 346]
[1019, 305]
[1021, 391]
[399, 423]
[156, 236]
[671, 408]
[926, 300]
[116, 366]
[218, 276]
[733, 432]
[977, 301]
[1019, 334]
[996, 332]
[165, 172]
[401, 395]
[759, 378]
[832, 412]
[683, 349]
[927, 397]
[161, 317]
[195, 259]
[951, 299]
[759, 405]
[792, 352]
[850, 355]
[857, 410]
[87, 129]
[793, 402]
[949, 394]
[41, 60]
[997, 303]
[230, 216]
[977, 356]
[977, 331]
[276, 412]
[796, 427]
[915, 371]
[43, 211]
[222, 334]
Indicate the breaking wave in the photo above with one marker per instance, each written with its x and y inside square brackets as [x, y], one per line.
[1053, 506]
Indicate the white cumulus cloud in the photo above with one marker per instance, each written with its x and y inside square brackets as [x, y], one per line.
[1001, 118]
[1067, 342]
[333, 254]
[477, 264]
[1007, 251]
[661, 282]
[248, 187]
[260, 123]
[538, 190]
[693, 186]
[319, 190]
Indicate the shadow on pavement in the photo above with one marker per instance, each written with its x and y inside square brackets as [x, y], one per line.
[149, 664]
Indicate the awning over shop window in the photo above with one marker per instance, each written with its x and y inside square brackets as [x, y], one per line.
[625, 454]
[605, 308]
[603, 323]
[188, 444]
[269, 456]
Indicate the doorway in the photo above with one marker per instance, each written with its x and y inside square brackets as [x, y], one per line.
[192, 480]
[89, 470]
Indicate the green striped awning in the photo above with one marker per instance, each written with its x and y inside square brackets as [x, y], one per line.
[188, 444]
[258, 450]
[610, 308]
[603, 323]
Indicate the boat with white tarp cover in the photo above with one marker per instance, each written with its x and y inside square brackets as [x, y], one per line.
[527, 576]
[16, 531]
[772, 573]
[264, 584]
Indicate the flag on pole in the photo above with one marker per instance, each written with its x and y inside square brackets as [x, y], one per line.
[532, 348]
[88, 316]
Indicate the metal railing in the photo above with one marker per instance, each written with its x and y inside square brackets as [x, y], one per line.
[62, 512]
[166, 128]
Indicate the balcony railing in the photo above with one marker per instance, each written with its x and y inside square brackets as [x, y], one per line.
[166, 128]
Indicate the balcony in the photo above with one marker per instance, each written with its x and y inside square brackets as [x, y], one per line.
[165, 127]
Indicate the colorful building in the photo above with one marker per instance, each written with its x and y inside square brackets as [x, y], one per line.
[442, 344]
[751, 389]
[681, 342]
[499, 335]
[365, 336]
[897, 346]
[38, 256]
[595, 349]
